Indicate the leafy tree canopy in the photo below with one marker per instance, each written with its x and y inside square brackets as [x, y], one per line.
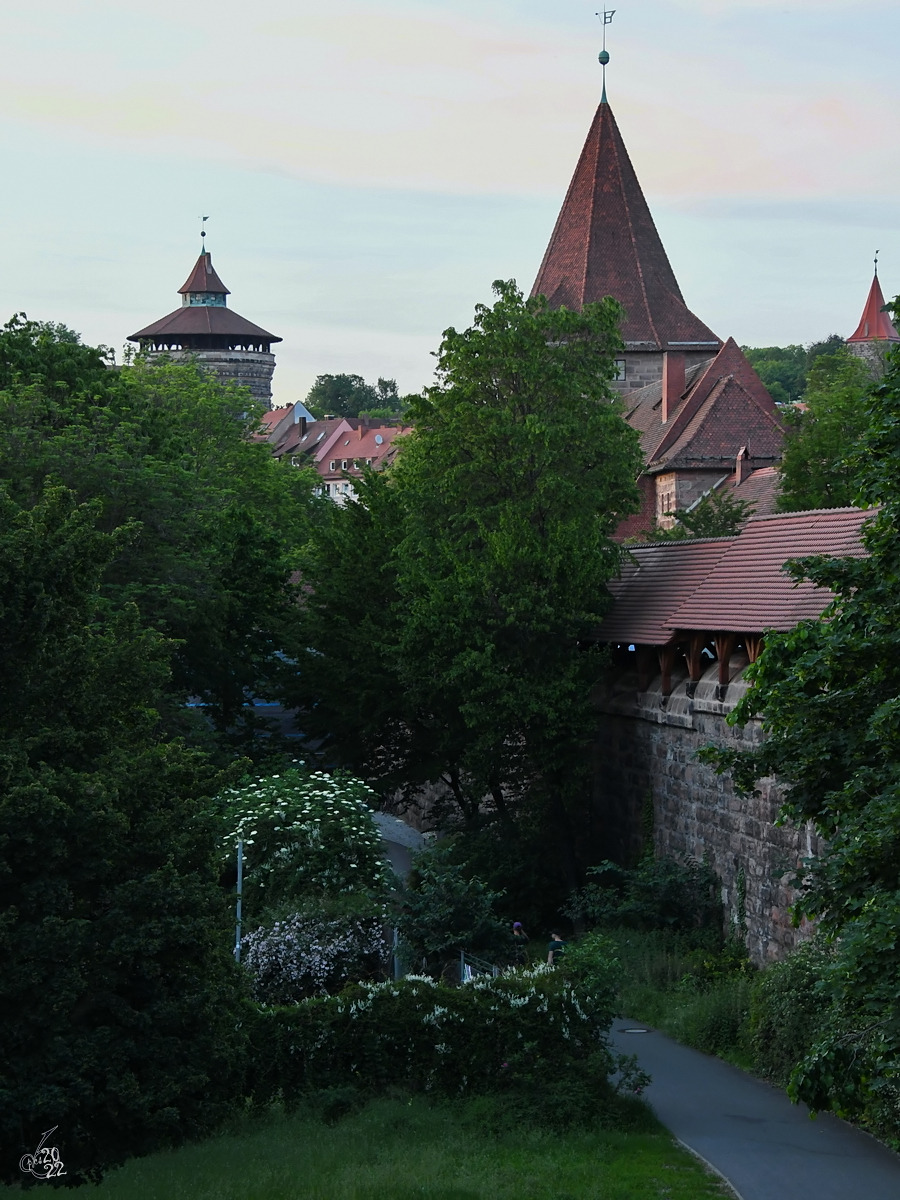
[783, 369]
[717, 514]
[450, 608]
[828, 693]
[350, 395]
[220, 521]
[32, 351]
[816, 470]
[119, 1004]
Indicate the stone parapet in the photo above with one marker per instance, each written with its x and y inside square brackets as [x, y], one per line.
[647, 748]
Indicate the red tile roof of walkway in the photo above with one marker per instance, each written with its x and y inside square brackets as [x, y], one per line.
[731, 584]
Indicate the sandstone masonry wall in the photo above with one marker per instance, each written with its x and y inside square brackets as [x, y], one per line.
[646, 748]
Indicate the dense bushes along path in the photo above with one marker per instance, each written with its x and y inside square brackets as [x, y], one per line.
[767, 1147]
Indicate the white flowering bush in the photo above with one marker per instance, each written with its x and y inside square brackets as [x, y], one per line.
[305, 834]
[531, 1037]
[308, 954]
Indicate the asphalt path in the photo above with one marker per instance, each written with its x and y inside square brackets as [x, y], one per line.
[765, 1146]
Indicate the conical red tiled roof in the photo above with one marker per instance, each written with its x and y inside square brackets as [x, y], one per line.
[875, 325]
[606, 244]
[203, 278]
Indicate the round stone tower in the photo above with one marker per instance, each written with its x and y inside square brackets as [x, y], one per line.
[204, 328]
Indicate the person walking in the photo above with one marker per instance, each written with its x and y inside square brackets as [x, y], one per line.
[556, 949]
[520, 942]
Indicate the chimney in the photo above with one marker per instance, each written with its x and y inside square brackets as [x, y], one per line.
[673, 383]
[740, 466]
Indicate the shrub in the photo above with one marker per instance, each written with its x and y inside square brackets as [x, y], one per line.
[659, 893]
[305, 834]
[524, 1034]
[444, 912]
[787, 1011]
[306, 954]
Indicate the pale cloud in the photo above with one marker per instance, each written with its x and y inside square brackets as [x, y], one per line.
[429, 98]
[372, 169]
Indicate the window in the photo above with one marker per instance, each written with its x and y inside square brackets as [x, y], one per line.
[345, 487]
[620, 369]
[368, 462]
[343, 464]
[333, 466]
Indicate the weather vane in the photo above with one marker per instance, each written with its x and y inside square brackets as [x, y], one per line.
[606, 17]
[203, 221]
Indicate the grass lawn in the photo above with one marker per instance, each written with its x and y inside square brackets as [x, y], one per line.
[401, 1149]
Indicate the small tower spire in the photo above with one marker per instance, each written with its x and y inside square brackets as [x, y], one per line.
[203, 221]
[606, 17]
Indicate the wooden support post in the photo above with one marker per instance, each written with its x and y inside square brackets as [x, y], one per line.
[694, 656]
[724, 643]
[754, 644]
[666, 656]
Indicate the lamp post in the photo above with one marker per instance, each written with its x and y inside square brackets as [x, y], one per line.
[240, 889]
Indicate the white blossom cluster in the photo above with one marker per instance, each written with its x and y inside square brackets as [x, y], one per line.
[306, 955]
[306, 831]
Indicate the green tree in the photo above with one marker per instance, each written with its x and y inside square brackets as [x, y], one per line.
[716, 514]
[445, 911]
[828, 694]
[220, 521]
[350, 395]
[119, 1001]
[784, 369]
[52, 354]
[816, 470]
[483, 559]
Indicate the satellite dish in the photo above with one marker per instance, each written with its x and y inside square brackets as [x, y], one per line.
[378, 439]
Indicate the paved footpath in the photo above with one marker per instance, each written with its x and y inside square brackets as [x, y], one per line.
[765, 1146]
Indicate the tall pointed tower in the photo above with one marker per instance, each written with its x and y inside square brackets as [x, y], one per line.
[606, 244]
[875, 334]
[205, 328]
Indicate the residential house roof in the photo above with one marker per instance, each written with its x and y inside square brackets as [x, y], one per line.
[724, 406]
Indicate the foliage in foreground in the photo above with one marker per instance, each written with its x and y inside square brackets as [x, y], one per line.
[536, 1037]
[119, 1002]
[218, 523]
[658, 893]
[408, 1148]
[305, 834]
[450, 607]
[828, 693]
[444, 911]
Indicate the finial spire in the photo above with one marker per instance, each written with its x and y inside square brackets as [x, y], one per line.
[877, 252]
[203, 221]
[606, 16]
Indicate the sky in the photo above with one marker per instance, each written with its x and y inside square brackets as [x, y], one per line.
[369, 168]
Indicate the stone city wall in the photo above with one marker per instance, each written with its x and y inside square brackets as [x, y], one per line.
[649, 749]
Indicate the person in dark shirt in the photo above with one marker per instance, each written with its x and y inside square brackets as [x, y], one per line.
[520, 938]
[556, 949]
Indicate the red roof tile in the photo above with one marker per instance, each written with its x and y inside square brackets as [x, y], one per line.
[749, 591]
[203, 278]
[655, 582]
[760, 489]
[874, 324]
[606, 244]
[730, 584]
[202, 319]
[725, 406]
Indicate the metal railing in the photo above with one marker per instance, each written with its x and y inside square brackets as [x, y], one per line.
[470, 967]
